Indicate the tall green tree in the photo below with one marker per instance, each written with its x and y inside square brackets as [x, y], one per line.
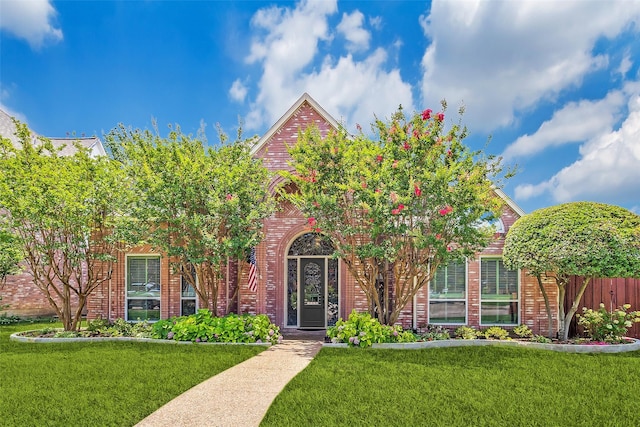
[398, 205]
[63, 211]
[200, 205]
[580, 238]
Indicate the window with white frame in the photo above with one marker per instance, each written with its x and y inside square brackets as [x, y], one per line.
[188, 299]
[448, 294]
[143, 288]
[499, 293]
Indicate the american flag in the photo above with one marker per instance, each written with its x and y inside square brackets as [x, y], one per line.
[253, 274]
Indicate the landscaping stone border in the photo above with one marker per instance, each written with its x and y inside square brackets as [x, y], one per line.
[566, 348]
[18, 337]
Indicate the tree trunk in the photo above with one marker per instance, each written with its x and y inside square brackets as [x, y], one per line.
[574, 308]
[547, 305]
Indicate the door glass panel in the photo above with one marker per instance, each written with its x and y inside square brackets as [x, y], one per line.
[292, 292]
[332, 293]
[312, 281]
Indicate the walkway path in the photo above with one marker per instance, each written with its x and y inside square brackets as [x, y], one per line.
[241, 395]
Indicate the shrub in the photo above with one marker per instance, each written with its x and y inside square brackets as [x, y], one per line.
[541, 339]
[604, 326]
[361, 330]
[203, 327]
[467, 333]
[435, 332]
[523, 331]
[495, 332]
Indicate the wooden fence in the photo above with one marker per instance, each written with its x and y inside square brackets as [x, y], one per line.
[611, 292]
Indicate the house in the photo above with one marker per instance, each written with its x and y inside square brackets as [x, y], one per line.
[479, 292]
[20, 296]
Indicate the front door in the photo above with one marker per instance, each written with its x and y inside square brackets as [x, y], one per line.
[313, 307]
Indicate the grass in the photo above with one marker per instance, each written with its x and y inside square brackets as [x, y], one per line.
[469, 386]
[100, 383]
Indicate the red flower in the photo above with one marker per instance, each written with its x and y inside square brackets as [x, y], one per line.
[318, 230]
[440, 116]
[417, 191]
[406, 146]
[395, 211]
[416, 134]
[312, 221]
[363, 184]
[229, 196]
[449, 153]
[426, 114]
[395, 164]
[377, 190]
[379, 158]
[401, 206]
[446, 210]
[438, 236]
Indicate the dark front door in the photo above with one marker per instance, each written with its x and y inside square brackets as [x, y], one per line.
[313, 307]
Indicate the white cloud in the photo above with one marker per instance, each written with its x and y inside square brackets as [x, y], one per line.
[238, 91]
[287, 50]
[625, 65]
[31, 20]
[499, 58]
[351, 28]
[608, 169]
[575, 122]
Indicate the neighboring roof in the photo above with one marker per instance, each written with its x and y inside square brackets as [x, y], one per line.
[290, 112]
[93, 143]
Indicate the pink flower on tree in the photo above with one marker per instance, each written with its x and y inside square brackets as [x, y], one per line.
[406, 146]
[440, 117]
[229, 196]
[426, 114]
[417, 191]
[395, 164]
[446, 210]
[379, 158]
[312, 221]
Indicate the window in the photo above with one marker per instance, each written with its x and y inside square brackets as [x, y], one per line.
[143, 288]
[498, 293]
[188, 299]
[448, 294]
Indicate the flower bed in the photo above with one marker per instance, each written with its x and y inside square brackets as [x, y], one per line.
[361, 330]
[201, 327]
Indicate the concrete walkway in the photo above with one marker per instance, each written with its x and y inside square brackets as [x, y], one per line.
[241, 395]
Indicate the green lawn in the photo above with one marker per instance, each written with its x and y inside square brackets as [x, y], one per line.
[467, 386]
[100, 384]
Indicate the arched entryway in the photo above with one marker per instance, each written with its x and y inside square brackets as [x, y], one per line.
[312, 282]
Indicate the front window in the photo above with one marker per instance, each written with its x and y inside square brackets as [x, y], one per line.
[448, 294]
[498, 293]
[143, 288]
[188, 300]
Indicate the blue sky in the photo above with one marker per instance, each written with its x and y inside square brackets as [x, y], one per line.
[554, 84]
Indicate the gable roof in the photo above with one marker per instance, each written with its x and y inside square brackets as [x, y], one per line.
[517, 209]
[290, 112]
[66, 145]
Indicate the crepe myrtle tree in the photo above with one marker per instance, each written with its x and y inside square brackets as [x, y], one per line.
[65, 213]
[200, 205]
[580, 238]
[396, 205]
